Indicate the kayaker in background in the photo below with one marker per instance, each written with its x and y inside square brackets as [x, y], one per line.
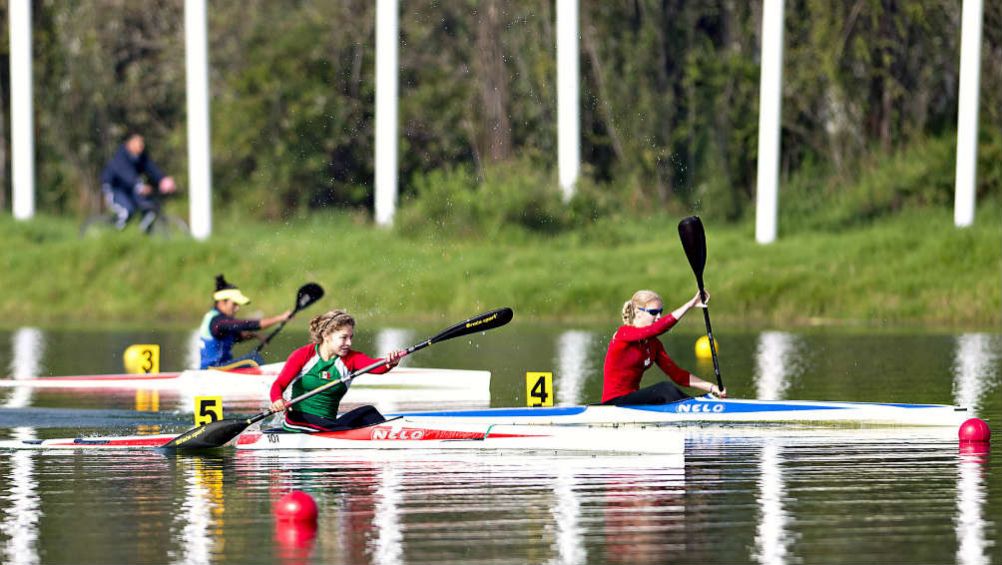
[329, 356]
[635, 348]
[220, 330]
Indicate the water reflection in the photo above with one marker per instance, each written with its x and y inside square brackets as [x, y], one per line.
[193, 358]
[573, 365]
[777, 359]
[28, 346]
[201, 517]
[569, 539]
[392, 507]
[975, 377]
[21, 517]
[388, 339]
[972, 545]
[20, 523]
[295, 541]
[974, 369]
[772, 538]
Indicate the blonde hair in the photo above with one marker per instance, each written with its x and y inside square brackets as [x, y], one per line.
[329, 322]
[640, 298]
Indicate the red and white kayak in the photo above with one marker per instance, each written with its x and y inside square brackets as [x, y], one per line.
[412, 384]
[400, 434]
[403, 434]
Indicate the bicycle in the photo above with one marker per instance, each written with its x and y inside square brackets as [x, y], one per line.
[154, 222]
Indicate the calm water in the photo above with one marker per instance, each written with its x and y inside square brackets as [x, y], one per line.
[752, 495]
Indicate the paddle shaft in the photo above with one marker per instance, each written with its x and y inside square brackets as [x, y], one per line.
[713, 347]
[307, 294]
[265, 341]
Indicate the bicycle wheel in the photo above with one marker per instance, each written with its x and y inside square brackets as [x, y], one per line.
[98, 225]
[167, 226]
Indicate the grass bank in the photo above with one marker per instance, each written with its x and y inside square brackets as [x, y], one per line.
[908, 269]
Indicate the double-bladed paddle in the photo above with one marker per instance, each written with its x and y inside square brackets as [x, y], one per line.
[220, 432]
[307, 294]
[690, 231]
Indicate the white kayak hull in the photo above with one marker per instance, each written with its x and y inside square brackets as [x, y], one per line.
[412, 384]
[707, 409]
[400, 434]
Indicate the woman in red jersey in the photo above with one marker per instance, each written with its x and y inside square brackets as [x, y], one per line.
[635, 348]
[328, 357]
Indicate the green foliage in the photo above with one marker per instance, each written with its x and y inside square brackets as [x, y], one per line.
[886, 184]
[296, 111]
[509, 199]
[669, 105]
[914, 267]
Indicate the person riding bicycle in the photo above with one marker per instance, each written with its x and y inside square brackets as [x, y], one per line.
[124, 183]
[220, 329]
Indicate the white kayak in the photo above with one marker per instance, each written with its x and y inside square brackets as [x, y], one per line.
[414, 384]
[707, 409]
[402, 434]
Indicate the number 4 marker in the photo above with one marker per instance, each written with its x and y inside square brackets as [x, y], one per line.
[539, 389]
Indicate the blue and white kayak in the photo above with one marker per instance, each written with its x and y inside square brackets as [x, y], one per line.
[708, 409]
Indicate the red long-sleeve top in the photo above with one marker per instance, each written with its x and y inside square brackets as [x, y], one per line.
[631, 352]
[299, 359]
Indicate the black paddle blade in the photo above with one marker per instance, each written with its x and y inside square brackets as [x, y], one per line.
[481, 323]
[308, 294]
[690, 231]
[211, 435]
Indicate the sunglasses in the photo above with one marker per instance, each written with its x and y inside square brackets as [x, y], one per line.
[651, 311]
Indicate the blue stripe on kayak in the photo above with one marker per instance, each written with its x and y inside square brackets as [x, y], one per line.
[694, 406]
[700, 405]
[556, 411]
[901, 405]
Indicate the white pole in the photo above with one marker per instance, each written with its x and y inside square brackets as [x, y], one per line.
[568, 120]
[967, 114]
[199, 158]
[387, 39]
[22, 126]
[769, 116]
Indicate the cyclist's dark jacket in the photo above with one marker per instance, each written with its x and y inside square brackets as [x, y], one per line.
[218, 333]
[123, 173]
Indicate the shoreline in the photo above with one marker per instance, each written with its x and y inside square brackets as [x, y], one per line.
[913, 270]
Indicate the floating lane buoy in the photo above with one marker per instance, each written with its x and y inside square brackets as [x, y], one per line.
[974, 430]
[703, 347]
[297, 506]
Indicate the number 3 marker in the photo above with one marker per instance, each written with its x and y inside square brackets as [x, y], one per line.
[142, 359]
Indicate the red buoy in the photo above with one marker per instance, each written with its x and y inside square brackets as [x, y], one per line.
[297, 506]
[974, 429]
